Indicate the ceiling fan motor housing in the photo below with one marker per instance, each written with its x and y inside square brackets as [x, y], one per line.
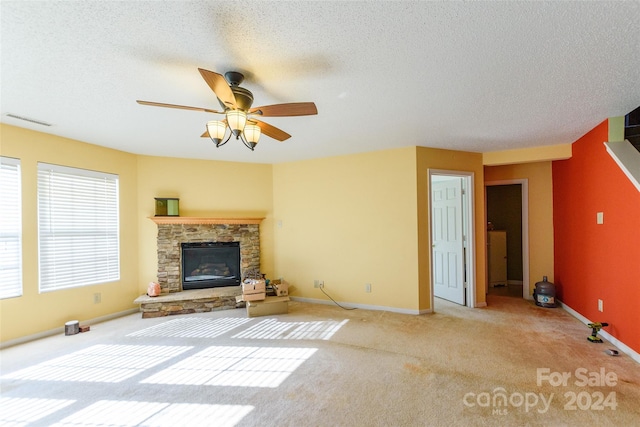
[244, 98]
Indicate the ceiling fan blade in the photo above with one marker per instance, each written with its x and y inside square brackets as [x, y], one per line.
[219, 86]
[181, 107]
[291, 109]
[271, 131]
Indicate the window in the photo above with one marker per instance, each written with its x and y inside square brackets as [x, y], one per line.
[77, 227]
[10, 229]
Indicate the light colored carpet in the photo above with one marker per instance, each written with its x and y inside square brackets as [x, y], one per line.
[320, 365]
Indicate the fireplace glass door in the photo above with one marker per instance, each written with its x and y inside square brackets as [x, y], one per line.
[210, 264]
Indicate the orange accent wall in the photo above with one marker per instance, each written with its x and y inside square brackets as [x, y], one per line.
[598, 261]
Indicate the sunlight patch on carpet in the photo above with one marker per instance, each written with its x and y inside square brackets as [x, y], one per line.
[235, 367]
[100, 363]
[116, 413]
[19, 411]
[270, 329]
[191, 328]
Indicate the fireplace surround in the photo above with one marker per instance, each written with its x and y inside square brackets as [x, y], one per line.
[174, 231]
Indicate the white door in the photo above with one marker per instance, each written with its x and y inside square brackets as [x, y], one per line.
[447, 240]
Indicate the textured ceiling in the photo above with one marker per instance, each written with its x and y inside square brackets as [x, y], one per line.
[475, 76]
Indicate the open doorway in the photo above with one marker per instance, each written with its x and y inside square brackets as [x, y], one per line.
[451, 221]
[507, 218]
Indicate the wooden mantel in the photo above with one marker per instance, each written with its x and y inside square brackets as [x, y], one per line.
[198, 220]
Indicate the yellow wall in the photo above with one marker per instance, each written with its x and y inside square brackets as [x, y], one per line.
[431, 158]
[348, 221]
[527, 155]
[205, 188]
[540, 213]
[35, 312]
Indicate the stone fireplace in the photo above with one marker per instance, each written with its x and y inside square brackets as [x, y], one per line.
[174, 231]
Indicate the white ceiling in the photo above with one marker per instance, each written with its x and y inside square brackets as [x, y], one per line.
[475, 76]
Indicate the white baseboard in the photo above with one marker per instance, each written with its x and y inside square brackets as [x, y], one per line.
[60, 330]
[112, 316]
[613, 340]
[372, 307]
[361, 306]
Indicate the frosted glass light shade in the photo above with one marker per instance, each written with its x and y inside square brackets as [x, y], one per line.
[252, 134]
[236, 119]
[216, 130]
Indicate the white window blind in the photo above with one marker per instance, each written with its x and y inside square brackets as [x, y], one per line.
[77, 227]
[10, 228]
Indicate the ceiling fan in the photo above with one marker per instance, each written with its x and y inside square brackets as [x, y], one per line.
[239, 115]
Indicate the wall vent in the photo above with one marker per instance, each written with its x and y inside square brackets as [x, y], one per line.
[27, 119]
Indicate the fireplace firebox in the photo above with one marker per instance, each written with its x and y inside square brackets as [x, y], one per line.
[210, 264]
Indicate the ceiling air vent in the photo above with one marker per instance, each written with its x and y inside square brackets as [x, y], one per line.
[27, 119]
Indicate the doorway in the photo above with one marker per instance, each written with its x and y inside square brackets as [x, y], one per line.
[507, 210]
[452, 237]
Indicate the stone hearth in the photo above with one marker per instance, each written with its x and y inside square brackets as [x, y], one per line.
[186, 302]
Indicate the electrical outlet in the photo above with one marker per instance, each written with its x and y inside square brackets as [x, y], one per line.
[97, 298]
[600, 305]
[318, 283]
[367, 287]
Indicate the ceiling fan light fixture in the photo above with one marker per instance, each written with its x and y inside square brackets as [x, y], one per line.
[236, 120]
[252, 134]
[237, 104]
[216, 130]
